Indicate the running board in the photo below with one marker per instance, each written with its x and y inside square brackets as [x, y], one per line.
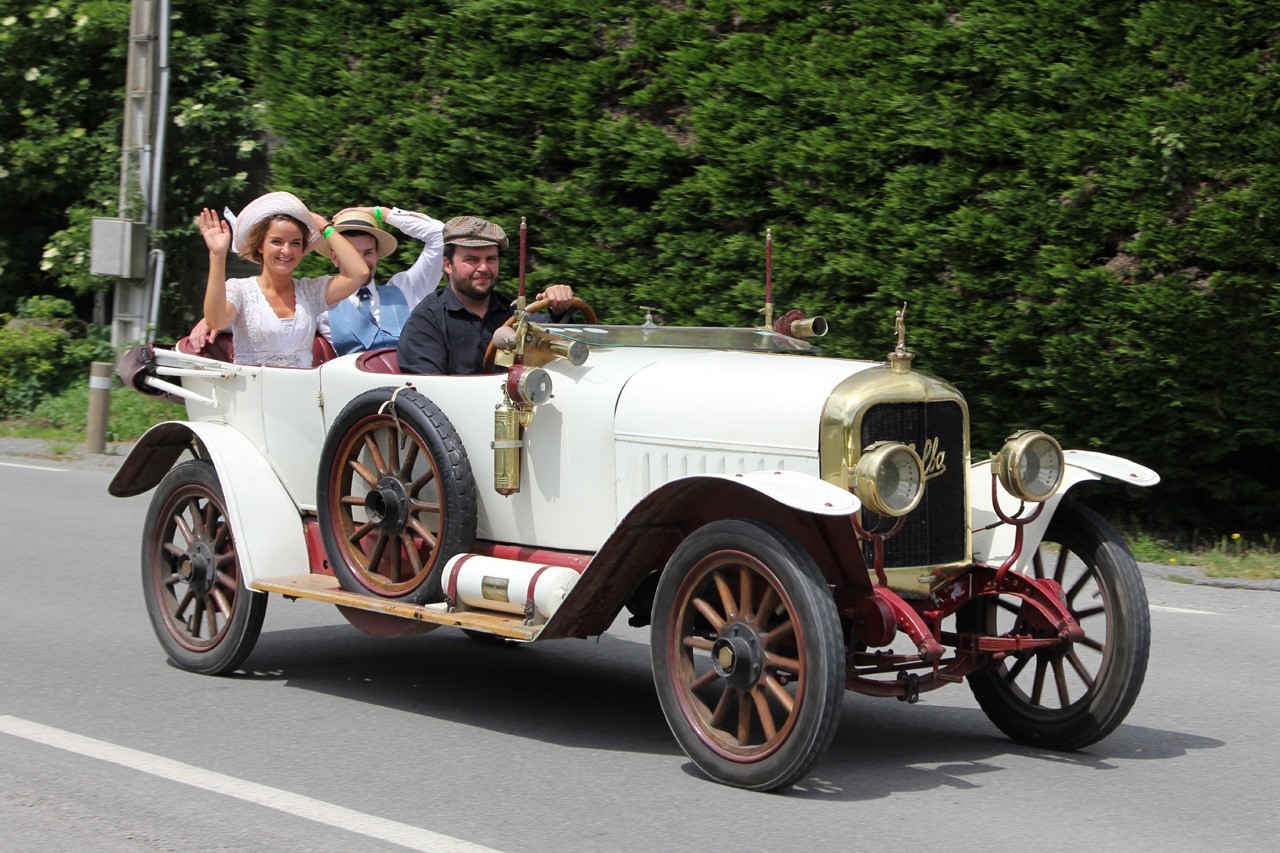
[325, 588]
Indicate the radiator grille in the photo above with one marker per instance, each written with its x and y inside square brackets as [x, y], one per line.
[935, 532]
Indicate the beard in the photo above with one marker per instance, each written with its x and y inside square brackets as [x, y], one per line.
[473, 288]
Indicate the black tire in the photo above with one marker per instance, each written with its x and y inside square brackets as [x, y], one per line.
[205, 617]
[392, 515]
[1069, 697]
[780, 657]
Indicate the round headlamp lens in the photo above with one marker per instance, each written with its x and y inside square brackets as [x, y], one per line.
[1030, 466]
[889, 478]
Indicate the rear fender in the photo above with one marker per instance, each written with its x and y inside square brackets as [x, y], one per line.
[993, 540]
[267, 524]
[812, 510]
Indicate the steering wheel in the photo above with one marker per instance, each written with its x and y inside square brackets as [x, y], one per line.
[536, 307]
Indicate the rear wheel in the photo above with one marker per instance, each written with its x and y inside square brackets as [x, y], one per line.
[396, 497]
[204, 616]
[747, 654]
[1069, 696]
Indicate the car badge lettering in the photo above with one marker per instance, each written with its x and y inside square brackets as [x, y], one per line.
[933, 459]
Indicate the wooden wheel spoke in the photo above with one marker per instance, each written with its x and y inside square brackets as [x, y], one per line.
[723, 706]
[375, 558]
[768, 603]
[1079, 667]
[428, 538]
[745, 596]
[220, 601]
[1060, 681]
[1060, 565]
[1016, 670]
[176, 551]
[1037, 564]
[744, 718]
[351, 500]
[410, 457]
[424, 506]
[1071, 594]
[394, 559]
[726, 597]
[182, 605]
[418, 484]
[411, 550]
[220, 538]
[393, 452]
[763, 711]
[183, 528]
[208, 519]
[706, 679]
[708, 613]
[375, 453]
[364, 473]
[1037, 687]
[785, 628]
[779, 693]
[1091, 643]
[197, 618]
[361, 532]
[699, 643]
[1089, 613]
[785, 664]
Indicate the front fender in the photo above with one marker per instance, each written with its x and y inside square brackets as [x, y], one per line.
[812, 510]
[993, 540]
[266, 523]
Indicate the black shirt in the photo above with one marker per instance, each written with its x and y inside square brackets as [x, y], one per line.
[442, 336]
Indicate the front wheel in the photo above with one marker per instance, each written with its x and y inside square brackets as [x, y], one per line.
[1069, 696]
[205, 617]
[747, 654]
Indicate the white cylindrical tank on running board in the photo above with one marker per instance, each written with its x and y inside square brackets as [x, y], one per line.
[491, 583]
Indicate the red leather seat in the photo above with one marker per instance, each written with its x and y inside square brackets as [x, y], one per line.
[222, 349]
[378, 361]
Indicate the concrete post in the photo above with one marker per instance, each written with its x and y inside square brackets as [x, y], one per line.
[99, 406]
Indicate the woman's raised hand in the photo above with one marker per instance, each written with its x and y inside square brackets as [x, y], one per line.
[216, 232]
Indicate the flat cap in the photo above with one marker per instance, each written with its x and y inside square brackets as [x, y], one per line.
[474, 231]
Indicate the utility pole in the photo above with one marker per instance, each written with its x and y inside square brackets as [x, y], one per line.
[120, 246]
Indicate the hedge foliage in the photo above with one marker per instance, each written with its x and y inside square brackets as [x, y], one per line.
[1078, 199]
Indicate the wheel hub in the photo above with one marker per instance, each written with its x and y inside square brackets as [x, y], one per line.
[196, 568]
[737, 656]
[388, 505]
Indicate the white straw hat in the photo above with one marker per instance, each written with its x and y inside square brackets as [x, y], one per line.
[266, 206]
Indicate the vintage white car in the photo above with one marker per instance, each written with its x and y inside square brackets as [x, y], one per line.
[791, 526]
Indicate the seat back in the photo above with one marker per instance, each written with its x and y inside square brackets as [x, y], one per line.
[378, 361]
[219, 348]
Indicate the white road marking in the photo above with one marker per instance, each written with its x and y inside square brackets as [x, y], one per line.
[1166, 609]
[319, 811]
[30, 467]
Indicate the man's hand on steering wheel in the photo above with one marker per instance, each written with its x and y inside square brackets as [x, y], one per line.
[560, 296]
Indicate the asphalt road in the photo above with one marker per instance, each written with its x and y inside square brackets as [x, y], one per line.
[335, 741]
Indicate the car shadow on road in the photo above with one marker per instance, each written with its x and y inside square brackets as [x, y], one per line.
[599, 695]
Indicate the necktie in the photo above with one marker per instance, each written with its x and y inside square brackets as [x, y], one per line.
[365, 308]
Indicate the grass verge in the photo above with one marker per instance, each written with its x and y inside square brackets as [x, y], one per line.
[1232, 556]
[62, 420]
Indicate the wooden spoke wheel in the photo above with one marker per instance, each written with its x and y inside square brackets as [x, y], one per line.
[747, 654]
[396, 496]
[1071, 695]
[203, 614]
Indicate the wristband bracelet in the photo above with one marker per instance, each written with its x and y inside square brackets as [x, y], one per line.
[377, 214]
[327, 232]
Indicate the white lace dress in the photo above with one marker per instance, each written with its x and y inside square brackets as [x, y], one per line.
[260, 337]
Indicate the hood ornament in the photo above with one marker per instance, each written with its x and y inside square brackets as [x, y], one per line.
[900, 359]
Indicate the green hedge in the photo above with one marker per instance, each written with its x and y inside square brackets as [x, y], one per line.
[1078, 200]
